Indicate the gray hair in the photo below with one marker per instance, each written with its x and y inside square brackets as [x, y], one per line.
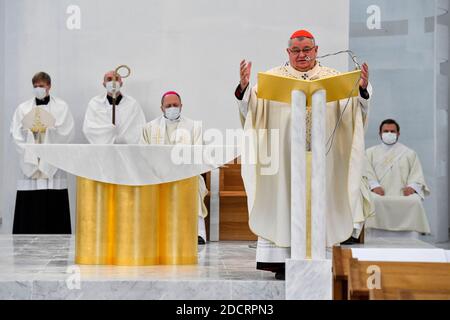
[301, 39]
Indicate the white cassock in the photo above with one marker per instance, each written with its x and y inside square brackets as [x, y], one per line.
[269, 196]
[395, 168]
[98, 127]
[182, 131]
[37, 174]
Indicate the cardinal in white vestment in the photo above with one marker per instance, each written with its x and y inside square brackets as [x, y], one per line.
[98, 126]
[42, 201]
[397, 183]
[269, 197]
[173, 128]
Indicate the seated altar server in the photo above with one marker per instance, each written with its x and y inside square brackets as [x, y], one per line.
[42, 201]
[173, 128]
[397, 183]
[98, 126]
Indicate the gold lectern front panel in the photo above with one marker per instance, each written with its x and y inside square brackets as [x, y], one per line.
[132, 226]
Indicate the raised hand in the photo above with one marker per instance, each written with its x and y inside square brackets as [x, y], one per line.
[364, 82]
[246, 69]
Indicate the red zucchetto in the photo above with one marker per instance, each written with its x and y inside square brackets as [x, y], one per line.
[302, 34]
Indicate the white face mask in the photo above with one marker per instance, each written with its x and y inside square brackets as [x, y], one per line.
[110, 87]
[389, 138]
[172, 113]
[40, 93]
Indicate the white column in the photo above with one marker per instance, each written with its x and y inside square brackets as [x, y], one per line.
[308, 279]
[318, 177]
[214, 206]
[298, 176]
[3, 188]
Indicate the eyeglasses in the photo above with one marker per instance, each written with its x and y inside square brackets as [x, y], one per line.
[305, 50]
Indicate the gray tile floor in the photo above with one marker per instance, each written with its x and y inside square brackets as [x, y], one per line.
[227, 269]
[443, 245]
[42, 257]
[42, 267]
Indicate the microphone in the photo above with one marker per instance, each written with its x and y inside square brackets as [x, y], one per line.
[349, 52]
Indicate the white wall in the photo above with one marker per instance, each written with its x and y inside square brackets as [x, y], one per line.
[192, 46]
[2, 104]
[405, 57]
[442, 129]
[448, 96]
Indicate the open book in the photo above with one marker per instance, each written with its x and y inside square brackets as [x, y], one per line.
[279, 88]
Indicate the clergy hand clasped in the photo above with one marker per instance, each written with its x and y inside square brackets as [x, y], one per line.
[408, 191]
[379, 191]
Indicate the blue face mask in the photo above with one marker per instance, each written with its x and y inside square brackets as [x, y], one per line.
[172, 113]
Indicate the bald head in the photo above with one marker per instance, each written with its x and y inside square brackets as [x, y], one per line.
[111, 76]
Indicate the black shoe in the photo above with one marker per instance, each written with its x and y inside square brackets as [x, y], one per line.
[201, 241]
[350, 240]
[281, 275]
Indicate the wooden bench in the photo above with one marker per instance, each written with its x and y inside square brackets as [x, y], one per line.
[403, 276]
[405, 294]
[342, 259]
[233, 222]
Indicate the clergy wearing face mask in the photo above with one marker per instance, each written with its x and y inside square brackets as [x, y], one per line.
[42, 202]
[173, 128]
[98, 127]
[397, 184]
